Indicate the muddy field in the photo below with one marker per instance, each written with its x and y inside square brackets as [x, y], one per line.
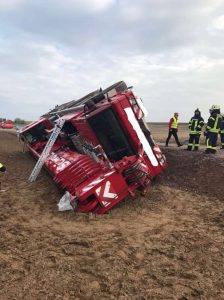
[167, 245]
[160, 132]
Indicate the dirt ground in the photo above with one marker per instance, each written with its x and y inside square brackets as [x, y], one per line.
[167, 245]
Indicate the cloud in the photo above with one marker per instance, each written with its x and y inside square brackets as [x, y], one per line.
[7, 5]
[55, 51]
[92, 5]
[219, 23]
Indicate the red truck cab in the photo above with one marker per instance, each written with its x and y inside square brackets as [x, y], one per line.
[104, 151]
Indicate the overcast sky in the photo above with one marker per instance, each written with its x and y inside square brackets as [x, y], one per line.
[53, 51]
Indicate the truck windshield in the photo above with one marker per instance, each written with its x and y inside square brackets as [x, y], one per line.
[111, 135]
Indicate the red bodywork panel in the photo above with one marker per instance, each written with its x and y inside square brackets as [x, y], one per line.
[104, 152]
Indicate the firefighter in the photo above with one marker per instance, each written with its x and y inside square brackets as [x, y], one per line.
[222, 131]
[195, 125]
[3, 170]
[213, 129]
[173, 128]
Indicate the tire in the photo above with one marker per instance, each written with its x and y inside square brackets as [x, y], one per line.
[96, 96]
[119, 87]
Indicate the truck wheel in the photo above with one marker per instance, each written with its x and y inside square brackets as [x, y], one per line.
[119, 87]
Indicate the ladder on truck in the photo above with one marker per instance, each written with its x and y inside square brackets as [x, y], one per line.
[57, 129]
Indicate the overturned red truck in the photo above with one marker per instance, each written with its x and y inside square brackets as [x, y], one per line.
[104, 151]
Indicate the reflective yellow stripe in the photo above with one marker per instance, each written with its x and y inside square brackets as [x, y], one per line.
[207, 143]
[216, 122]
[195, 125]
[215, 129]
[195, 132]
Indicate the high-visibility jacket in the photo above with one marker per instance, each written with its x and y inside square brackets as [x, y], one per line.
[222, 123]
[2, 168]
[214, 123]
[195, 125]
[173, 123]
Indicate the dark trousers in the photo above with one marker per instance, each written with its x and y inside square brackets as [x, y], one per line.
[222, 139]
[173, 132]
[211, 142]
[193, 141]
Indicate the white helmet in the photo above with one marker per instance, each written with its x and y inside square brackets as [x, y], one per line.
[215, 107]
